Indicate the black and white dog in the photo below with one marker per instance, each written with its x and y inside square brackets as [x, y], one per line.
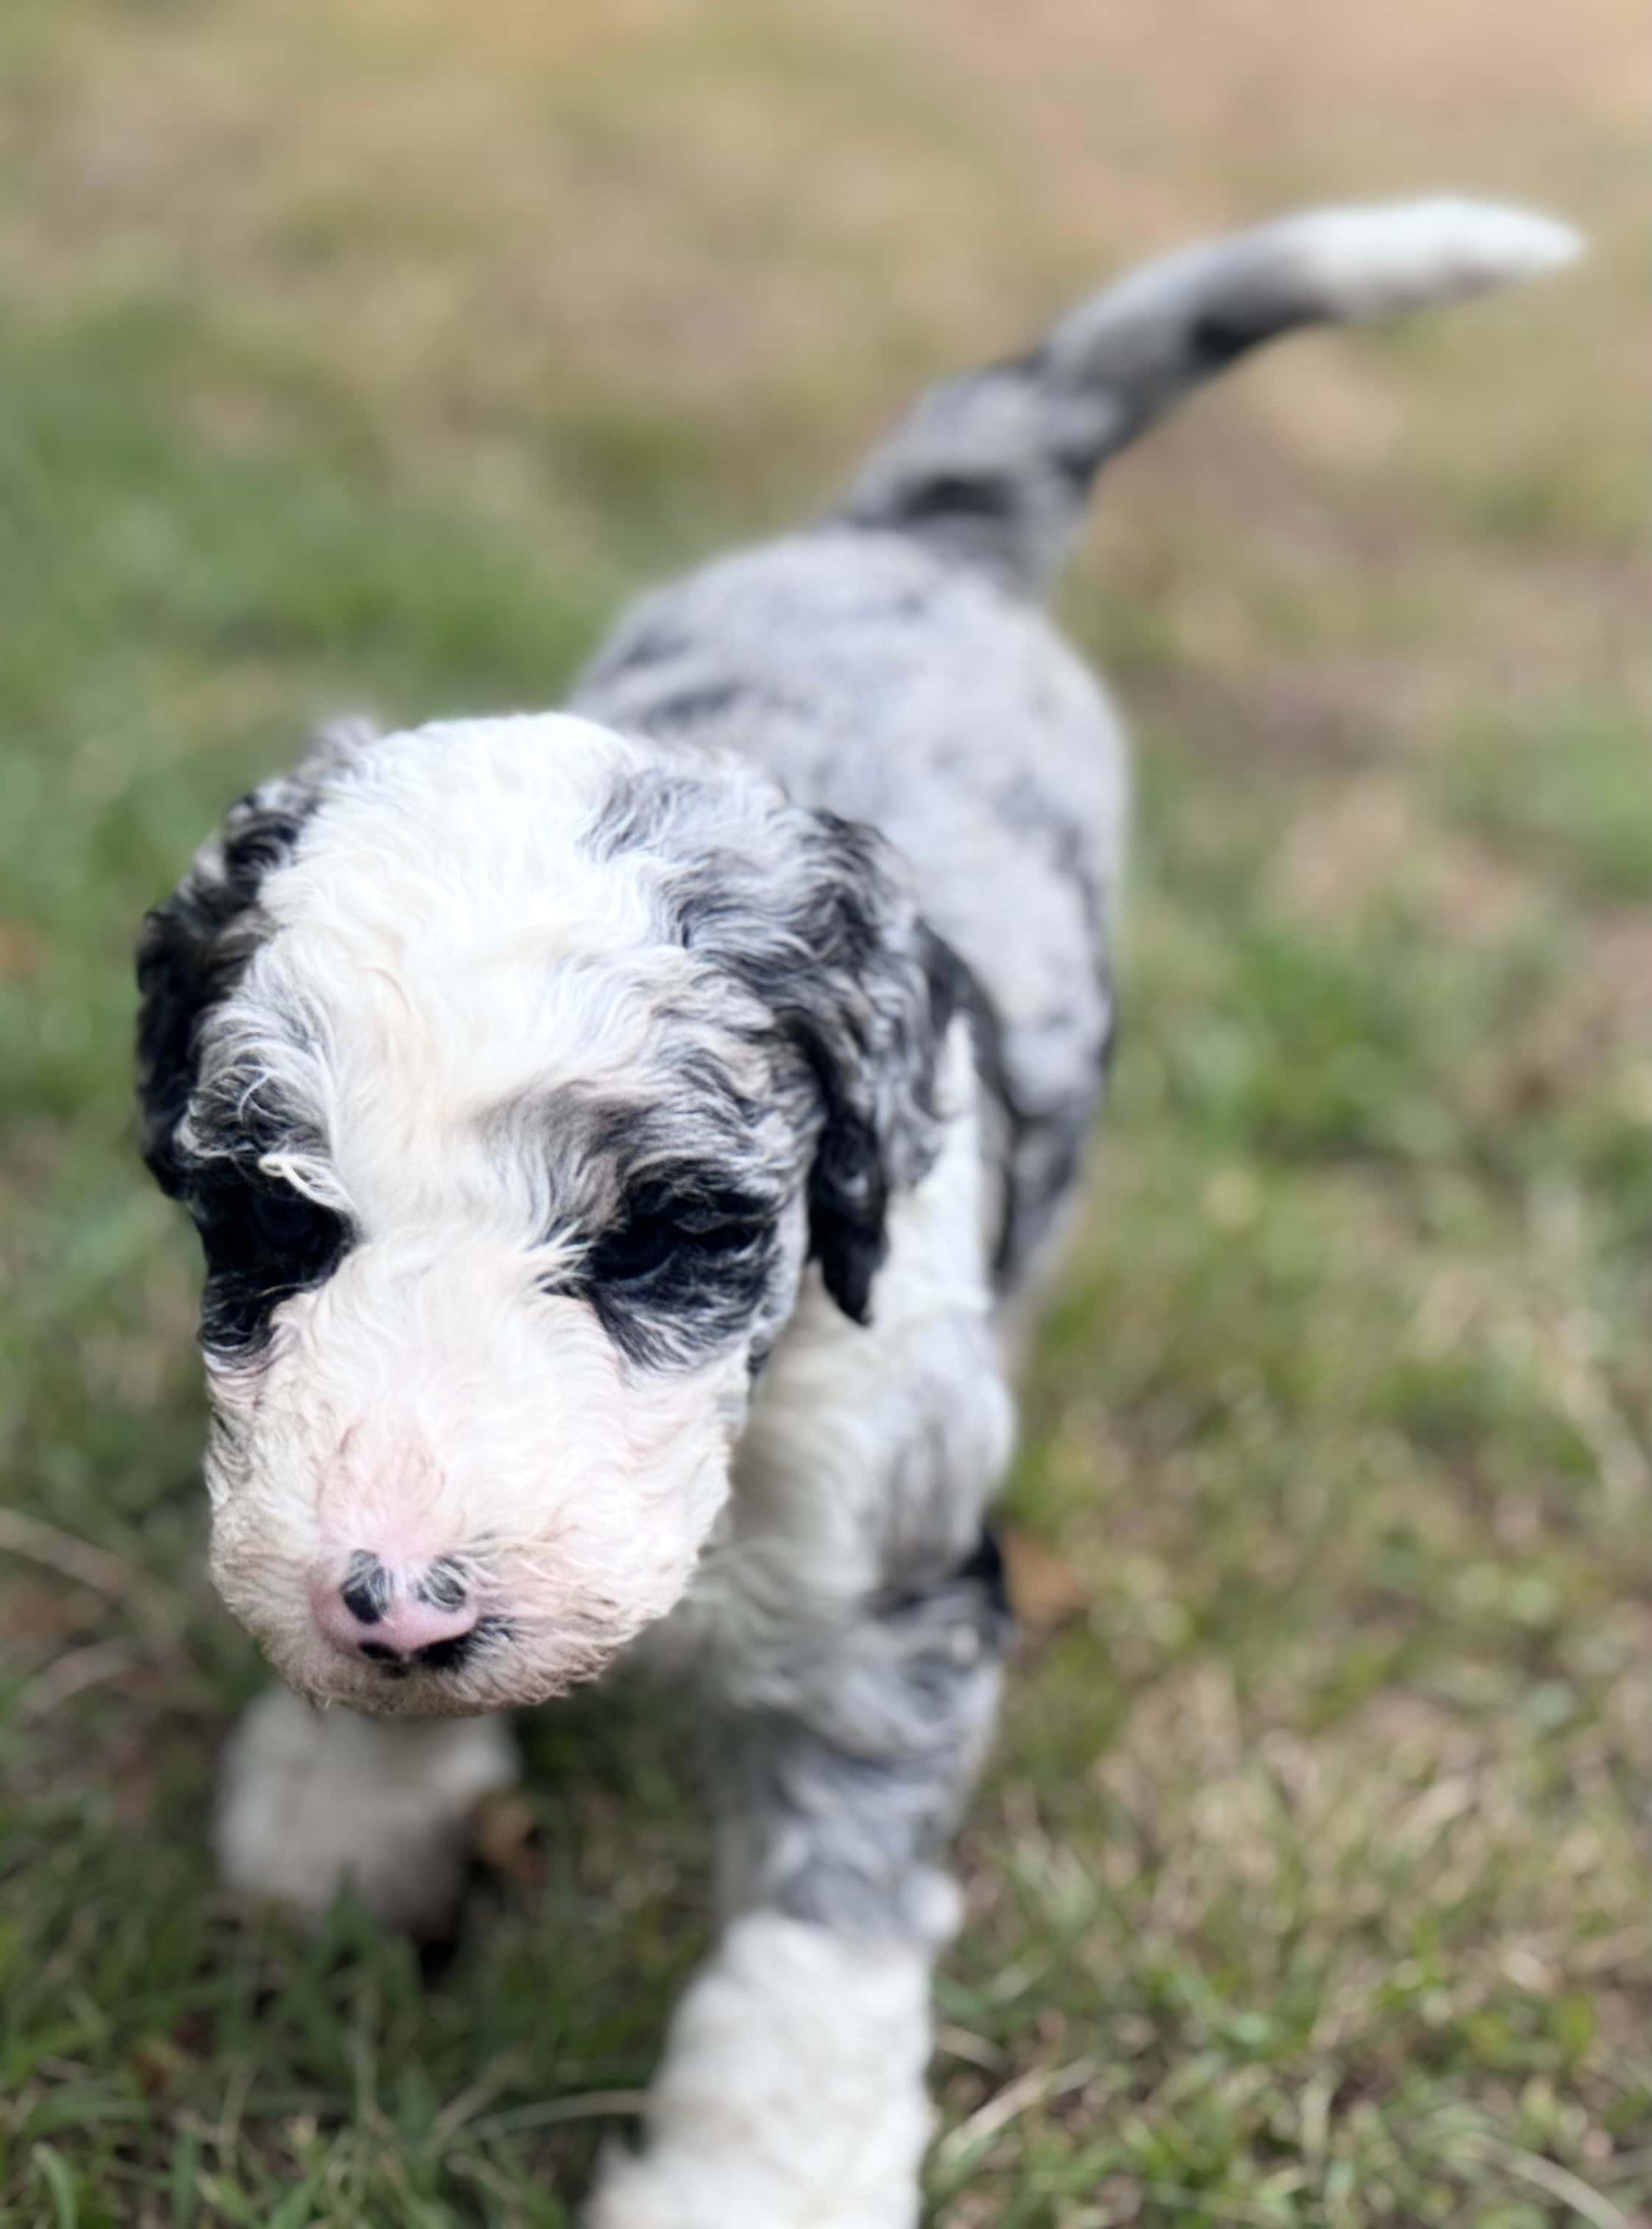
[615, 1136]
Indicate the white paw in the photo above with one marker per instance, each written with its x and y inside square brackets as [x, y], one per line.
[665, 2190]
[791, 2096]
[309, 1798]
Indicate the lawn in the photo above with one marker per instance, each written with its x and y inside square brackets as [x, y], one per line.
[368, 356]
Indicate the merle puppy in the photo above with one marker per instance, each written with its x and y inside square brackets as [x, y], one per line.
[616, 1137]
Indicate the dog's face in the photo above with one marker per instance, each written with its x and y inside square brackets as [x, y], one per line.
[512, 1072]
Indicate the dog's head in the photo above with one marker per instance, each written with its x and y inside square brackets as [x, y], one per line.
[514, 1072]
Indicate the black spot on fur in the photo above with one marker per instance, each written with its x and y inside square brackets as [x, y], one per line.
[959, 495]
[1028, 805]
[688, 707]
[641, 811]
[264, 1240]
[985, 1566]
[649, 646]
[1041, 1151]
[1079, 462]
[1215, 341]
[1028, 364]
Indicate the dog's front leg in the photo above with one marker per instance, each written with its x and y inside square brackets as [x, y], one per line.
[791, 2092]
[310, 1799]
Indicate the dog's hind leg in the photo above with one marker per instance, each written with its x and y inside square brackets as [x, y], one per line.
[310, 1800]
[791, 2092]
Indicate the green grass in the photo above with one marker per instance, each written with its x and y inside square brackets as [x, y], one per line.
[1306, 1886]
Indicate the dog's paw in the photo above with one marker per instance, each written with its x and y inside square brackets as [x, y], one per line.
[309, 1800]
[791, 2093]
[676, 2187]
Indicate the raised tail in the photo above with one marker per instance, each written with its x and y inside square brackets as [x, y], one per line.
[994, 467]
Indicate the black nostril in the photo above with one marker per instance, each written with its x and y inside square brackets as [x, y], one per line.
[442, 1655]
[443, 1585]
[367, 1590]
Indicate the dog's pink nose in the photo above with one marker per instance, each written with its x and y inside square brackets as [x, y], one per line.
[399, 1619]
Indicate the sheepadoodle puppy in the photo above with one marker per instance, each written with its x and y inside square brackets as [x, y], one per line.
[616, 1136]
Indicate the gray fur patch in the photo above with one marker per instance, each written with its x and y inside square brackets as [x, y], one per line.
[839, 1801]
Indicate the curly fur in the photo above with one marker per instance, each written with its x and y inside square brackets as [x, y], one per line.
[616, 1137]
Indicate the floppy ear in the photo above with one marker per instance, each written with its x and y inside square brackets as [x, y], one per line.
[192, 951]
[867, 1000]
[194, 947]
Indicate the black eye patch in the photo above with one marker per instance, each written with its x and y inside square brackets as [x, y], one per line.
[681, 1266]
[264, 1240]
[657, 1223]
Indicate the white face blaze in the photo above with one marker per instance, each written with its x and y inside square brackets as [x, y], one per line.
[458, 1468]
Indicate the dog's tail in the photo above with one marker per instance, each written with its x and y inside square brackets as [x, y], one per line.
[994, 467]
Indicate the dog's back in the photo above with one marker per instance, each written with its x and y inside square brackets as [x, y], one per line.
[893, 665]
[885, 682]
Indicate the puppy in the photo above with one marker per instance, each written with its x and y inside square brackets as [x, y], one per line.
[616, 1137]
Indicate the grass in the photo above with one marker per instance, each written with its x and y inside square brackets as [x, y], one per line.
[369, 357]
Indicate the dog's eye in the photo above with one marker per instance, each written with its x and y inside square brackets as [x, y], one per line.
[633, 1250]
[251, 1222]
[284, 1218]
[657, 1227]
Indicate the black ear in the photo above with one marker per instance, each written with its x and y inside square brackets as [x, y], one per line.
[868, 1001]
[192, 952]
[848, 1206]
[812, 916]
